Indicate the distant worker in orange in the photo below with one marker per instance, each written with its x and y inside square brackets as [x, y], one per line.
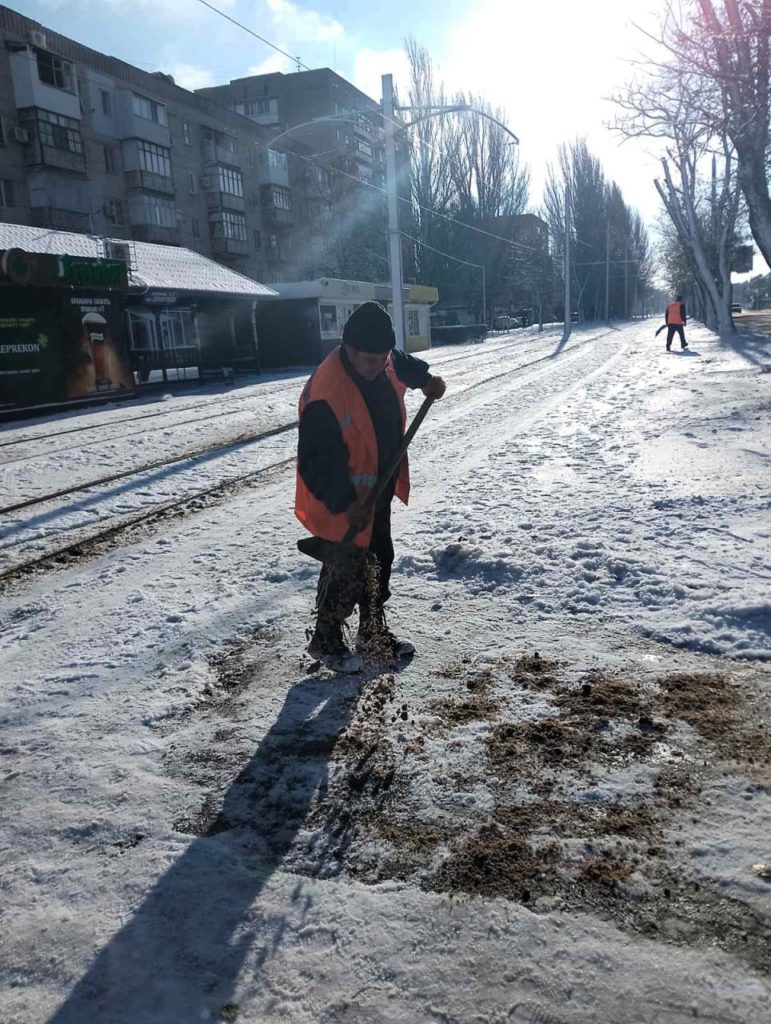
[676, 320]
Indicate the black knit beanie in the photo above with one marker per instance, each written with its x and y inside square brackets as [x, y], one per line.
[369, 329]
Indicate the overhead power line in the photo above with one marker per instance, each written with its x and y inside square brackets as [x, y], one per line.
[245, 28]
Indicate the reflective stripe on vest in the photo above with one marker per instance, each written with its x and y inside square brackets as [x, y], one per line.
[332, 384]
[673, 313]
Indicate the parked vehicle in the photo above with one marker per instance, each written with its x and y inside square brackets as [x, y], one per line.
[736, 307]
[506, 323]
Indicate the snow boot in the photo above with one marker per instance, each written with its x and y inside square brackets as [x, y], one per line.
[328, 646]
[376, 642]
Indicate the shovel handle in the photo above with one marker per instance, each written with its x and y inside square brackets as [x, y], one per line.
[386, 478]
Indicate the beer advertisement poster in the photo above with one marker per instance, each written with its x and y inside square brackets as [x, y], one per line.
[95, 355]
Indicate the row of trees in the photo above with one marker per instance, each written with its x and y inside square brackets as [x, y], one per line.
[465, 173]
[611, 258]
[708, 99]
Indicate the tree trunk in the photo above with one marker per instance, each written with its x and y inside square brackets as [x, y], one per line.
[754, 186]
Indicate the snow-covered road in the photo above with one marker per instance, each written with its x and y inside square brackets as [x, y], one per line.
[194, 829]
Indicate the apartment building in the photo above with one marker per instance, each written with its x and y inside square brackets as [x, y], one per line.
[91, 144]
[336, 166]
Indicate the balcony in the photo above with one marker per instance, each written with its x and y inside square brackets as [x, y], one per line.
[273, 168]
[277, 217]
[131, 125]
[36, 154]
[229, 247]
[146, 181]
[276, 207]
[60, 220]
[155, 233]
[215, 153]
[217, 200]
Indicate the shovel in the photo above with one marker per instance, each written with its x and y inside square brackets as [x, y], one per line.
[343, 550]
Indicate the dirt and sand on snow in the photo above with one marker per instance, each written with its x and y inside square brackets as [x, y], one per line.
[529, 779]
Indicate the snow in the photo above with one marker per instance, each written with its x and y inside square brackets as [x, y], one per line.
[606, 505]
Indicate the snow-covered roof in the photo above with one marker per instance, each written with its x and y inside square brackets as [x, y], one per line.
[157, 266]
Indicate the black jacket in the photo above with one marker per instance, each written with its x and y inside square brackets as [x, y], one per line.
[322, 456]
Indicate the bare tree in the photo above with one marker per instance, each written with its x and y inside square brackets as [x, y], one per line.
[718, 57]
[673, 105]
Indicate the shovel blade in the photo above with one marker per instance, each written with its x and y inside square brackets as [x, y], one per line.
[328, 551]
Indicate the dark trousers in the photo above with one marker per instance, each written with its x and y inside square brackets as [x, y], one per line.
[362, 578]
[672, 330]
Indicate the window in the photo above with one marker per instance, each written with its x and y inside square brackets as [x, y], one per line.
[56, 130]
[156, 159]
[195, 227]
[279, 197]
[413, 323]
[110, 162]
[186, 133]
[6, 192]
[364, 147]
[113, 211]
[177, 329]
[258, 241]
[54, 71]
[273, 242]
[230, 181]
[152, 210]
[328, 318]
[233, 225]
[106, 102]
[192, 183]
[258, 108]
[148, 109]
[226, 142]
[142, 331]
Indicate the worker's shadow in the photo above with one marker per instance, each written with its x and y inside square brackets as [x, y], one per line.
[177, 960]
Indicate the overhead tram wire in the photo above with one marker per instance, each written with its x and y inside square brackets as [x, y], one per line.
[262, 39]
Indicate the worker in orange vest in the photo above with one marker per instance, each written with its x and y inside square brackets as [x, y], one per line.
[675, 319]
[352, 421]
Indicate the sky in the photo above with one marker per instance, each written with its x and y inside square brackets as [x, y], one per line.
[550, 64]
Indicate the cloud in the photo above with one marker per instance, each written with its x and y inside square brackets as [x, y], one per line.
[190, 76]
[303, 24]
[275, 62]
[370, 65]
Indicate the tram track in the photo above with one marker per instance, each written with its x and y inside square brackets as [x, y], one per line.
[266, 391]
[91, 544]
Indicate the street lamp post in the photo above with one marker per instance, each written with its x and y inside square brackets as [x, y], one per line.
[392, 191]
[392, 196]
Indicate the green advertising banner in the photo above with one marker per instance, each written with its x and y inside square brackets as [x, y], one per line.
[30, 363]
[61, 344]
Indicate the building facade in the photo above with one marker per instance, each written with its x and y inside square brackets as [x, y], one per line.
[336, 166]
[91, 144]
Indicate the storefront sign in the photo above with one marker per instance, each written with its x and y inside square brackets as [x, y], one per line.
[47, 270]
[160, 299]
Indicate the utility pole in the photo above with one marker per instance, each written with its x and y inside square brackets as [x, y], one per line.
[607, 272]
[568, 326]
[392, 189]
[626, 279]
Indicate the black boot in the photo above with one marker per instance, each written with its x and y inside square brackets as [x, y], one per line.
[328, 646]
[376, 641]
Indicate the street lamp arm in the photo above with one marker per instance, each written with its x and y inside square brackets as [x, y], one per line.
[458, 108]
[314, 121]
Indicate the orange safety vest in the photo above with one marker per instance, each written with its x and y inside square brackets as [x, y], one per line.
[331, 383]
[673, 313]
